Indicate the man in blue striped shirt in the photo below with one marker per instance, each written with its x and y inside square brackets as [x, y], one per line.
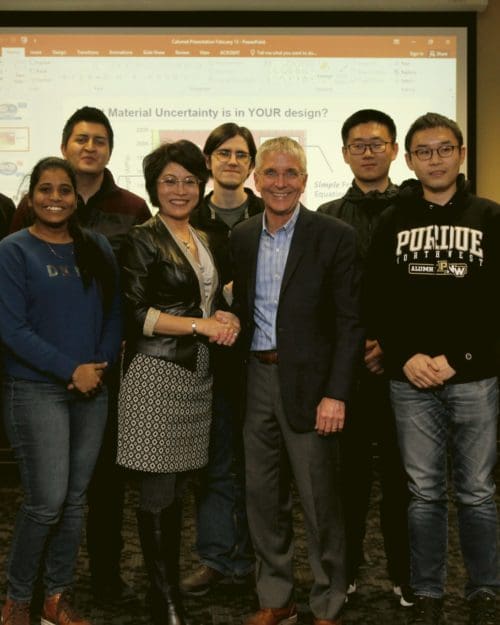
[296, 291]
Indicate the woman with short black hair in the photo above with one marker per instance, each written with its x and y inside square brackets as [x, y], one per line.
[172, 292]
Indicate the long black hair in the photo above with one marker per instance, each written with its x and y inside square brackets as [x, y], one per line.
[92, 261]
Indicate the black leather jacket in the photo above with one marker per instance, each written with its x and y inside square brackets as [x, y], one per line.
[156, 274]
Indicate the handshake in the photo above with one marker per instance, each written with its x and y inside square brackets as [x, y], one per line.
[222, 328]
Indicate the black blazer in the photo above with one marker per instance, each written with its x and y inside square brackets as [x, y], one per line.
[319, 334]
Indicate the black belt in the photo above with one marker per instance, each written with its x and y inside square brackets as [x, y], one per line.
[267, 357]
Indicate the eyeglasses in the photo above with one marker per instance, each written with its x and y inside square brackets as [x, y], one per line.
[225, 155]
[359, 148]
[190, 182]
[444, 151]
[290, 175]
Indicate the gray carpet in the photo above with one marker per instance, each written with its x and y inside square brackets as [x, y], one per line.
[373, 604]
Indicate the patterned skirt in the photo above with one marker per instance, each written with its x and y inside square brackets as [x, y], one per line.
[164, 414]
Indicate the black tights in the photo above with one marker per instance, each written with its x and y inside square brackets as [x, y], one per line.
[159, 490]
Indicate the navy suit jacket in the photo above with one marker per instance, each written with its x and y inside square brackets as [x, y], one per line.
[319, 333]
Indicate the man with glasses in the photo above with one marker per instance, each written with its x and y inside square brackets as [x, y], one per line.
[7, 208]
[434, 267]
[296, 294]
[369, 148]
[223, 543]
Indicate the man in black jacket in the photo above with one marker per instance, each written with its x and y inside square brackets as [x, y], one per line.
[296, 294]
[434, 266]
[223, 542]
[7, 208]
[369, 148]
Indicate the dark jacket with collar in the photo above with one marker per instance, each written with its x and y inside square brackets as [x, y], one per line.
[362, 211]
[218, 233]
[319, 336]
[7, 208]
[156, 274]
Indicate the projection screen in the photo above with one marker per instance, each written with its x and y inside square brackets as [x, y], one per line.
[161, 84]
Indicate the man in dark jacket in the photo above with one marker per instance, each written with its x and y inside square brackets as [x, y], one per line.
[296, 294]
[87, 143]
[103, 206]
[223, 542]
[434, 266]
[369, 148]
[7, 208]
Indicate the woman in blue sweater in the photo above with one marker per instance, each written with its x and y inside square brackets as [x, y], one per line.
[60, 329]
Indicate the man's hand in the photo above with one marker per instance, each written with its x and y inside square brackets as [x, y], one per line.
[374, 357]
[330, 416]
[423, 372]
[446, 371]
[227, 292]
[222, 328]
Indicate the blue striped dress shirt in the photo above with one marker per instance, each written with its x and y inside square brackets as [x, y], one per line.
[271, 261]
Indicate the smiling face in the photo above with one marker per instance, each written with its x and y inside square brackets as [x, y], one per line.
[280, 182]
[178, 200]
[53, 199]
[438, 175]
[87, 149]
[371, 169]
[232, 173]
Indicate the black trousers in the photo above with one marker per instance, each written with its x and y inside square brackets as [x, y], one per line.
[105, 497]
[370, 430]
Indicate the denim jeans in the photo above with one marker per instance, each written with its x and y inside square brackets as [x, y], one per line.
[461, 419]
[56, 435]
[223, 541]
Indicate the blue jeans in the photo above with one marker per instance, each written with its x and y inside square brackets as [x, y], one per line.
[223, 541]
[56, 435]
[461, 418]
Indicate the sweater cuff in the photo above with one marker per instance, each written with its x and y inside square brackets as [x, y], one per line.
[66, 369]
[149, 323]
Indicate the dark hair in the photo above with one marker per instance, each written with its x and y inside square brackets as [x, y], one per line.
[222, 133]
[433, 120]
[365, 116]
[50, 162]
[184, 153]
[87, 114]
[92, 261]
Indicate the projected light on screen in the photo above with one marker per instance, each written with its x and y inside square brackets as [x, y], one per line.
[157, 85]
